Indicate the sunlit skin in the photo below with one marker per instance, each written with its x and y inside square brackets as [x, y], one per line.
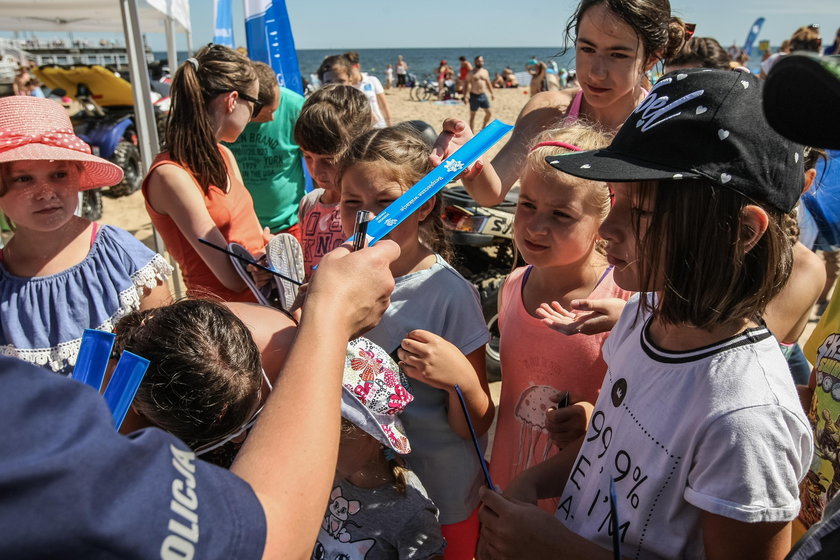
[40, 195]
[267, 112]
[556, 222]
[337, 76]
[609, 61]
[617, 229]
[366, 186]
[322, 168]
[232, 113]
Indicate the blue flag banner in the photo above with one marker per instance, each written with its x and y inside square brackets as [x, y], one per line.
[753, 35]
[223, 23]
[270, 40]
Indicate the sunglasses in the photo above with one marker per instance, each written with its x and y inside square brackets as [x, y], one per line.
[256, 104]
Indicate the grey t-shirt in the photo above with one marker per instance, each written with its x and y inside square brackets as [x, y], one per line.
[441, 301]
[379, 524]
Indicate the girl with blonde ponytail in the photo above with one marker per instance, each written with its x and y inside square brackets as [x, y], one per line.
[194, 189]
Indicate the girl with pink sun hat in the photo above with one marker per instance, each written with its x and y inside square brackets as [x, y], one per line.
[61, 274]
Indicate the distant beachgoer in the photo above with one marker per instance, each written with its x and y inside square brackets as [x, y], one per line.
[699, 52]
[268, 157]
[509, 77]
[476, 88]
[537, 69]
[616, 43]
[19, 86]
[806, 38]
[389, 77]
[372, 88]
[445, 74]
[833, 48]
[463, 71]
[34, 87]
[402, 71]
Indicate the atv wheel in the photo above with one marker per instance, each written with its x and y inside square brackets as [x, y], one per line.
[92, 204]
[127, 157]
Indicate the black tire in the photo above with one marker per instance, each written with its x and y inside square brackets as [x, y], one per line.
[92, 204]
[127, 157]
[492, 363]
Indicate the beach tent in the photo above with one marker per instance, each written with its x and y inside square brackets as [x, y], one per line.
[132, 17]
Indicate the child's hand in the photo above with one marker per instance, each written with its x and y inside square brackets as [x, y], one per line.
[434, 360]
[588, 316]
[454, 134]
[568, 423]
[260, 276]
[514, 529]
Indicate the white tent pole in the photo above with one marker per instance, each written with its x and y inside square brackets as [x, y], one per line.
[189, 43]
[171, 46]
[144, 116]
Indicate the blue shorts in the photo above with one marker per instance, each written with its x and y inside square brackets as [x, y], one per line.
[479, 100]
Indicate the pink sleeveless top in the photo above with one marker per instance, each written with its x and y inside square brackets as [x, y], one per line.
[537, 363]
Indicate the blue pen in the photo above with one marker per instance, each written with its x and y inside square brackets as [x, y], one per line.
[475, 439]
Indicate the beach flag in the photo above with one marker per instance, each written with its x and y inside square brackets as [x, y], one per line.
[753, 35]
[223, 23]
[270, 40]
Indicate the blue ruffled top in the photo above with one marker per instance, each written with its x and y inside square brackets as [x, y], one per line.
[42, 318]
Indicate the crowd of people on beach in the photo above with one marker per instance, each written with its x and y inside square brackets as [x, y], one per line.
[325, 400]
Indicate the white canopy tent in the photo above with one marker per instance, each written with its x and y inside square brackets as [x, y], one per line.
[129, 16]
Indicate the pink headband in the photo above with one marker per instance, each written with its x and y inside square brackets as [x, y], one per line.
[570, 147]
[62, 138]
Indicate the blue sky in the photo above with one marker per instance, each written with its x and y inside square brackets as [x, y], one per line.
[343, 24]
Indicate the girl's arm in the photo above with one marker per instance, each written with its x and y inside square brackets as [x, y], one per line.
[172, 191]
[273, 332]
[727, 539]
[787, 313]
[289, 458]
[158, 296]
[439, 363]
[489, 183]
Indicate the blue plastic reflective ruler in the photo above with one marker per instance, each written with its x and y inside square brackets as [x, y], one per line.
[432, 183]
[92, 361]
[124, 384]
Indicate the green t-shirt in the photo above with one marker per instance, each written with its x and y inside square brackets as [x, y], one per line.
[271, 164]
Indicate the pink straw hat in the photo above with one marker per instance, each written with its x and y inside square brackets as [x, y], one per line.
[32, 128]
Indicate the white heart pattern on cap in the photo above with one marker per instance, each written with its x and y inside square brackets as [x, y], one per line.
[796, 157]
[678, 176]
[700, 110]
[585, 166]
[725, 177]
[745, 83]
[681, 77]
[723, 134]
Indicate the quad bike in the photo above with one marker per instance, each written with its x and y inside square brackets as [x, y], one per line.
[102, 116]
[482, 239]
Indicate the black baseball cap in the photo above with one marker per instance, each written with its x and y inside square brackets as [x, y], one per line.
[699, 123]
[802, 99]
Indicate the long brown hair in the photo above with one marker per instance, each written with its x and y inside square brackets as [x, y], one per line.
[708, 278]
[215, 69]
[403, 156]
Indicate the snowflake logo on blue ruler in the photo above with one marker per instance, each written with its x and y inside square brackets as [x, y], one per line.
[453, 165]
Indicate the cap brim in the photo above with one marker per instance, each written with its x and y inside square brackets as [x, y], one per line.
[609, 166]
[97, 172]
[801, 99]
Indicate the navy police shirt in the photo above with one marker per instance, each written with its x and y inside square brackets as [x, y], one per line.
[72, 487]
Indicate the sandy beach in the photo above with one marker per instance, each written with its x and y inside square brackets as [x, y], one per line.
[130, 213]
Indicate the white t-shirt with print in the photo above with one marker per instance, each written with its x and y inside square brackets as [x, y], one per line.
[718, 429]
[371, 87]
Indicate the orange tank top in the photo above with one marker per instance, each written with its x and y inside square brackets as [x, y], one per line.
[232, 212]
[537, 363]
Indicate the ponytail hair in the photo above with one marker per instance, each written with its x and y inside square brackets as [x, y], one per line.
[190, 138]
[661, 34]
[403, 156]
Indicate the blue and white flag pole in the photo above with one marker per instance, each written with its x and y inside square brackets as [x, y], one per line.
[432, 183]
[270, 40]
[223, 23]
[753, 35]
